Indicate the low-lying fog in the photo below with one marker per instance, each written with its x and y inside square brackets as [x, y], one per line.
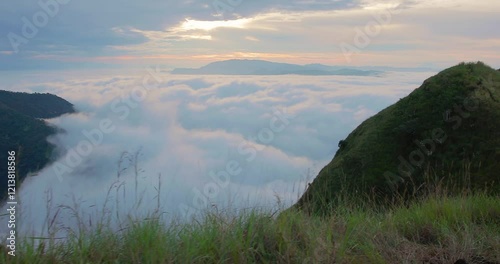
[210, 141]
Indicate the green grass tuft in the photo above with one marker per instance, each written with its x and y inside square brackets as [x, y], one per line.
[437, 228]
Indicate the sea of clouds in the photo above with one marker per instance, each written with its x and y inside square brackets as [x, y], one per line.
[147, 140]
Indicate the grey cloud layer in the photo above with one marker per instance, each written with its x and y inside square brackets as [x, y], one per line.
[86, 34]
[87, 26]
[190, 126]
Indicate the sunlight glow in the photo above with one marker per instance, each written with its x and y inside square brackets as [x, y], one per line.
[210, 25]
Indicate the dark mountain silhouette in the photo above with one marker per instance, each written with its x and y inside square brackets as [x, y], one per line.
[260, 67]
[22, 131]
[450, 123]
[36, 105]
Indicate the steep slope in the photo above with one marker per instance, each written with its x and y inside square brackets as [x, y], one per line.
[451, 121]
[22, 132]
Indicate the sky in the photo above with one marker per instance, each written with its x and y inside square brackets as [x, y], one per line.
[71, 34]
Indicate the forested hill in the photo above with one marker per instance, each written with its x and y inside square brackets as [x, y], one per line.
[36, 105]
[21, 131]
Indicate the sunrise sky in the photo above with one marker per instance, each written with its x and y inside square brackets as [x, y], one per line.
[115, 33]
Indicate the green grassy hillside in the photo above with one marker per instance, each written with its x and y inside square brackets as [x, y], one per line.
[451, 120]
[437, 229]
[429, 218]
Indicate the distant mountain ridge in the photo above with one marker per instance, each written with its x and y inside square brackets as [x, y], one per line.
[261, 67]
[22, 131]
